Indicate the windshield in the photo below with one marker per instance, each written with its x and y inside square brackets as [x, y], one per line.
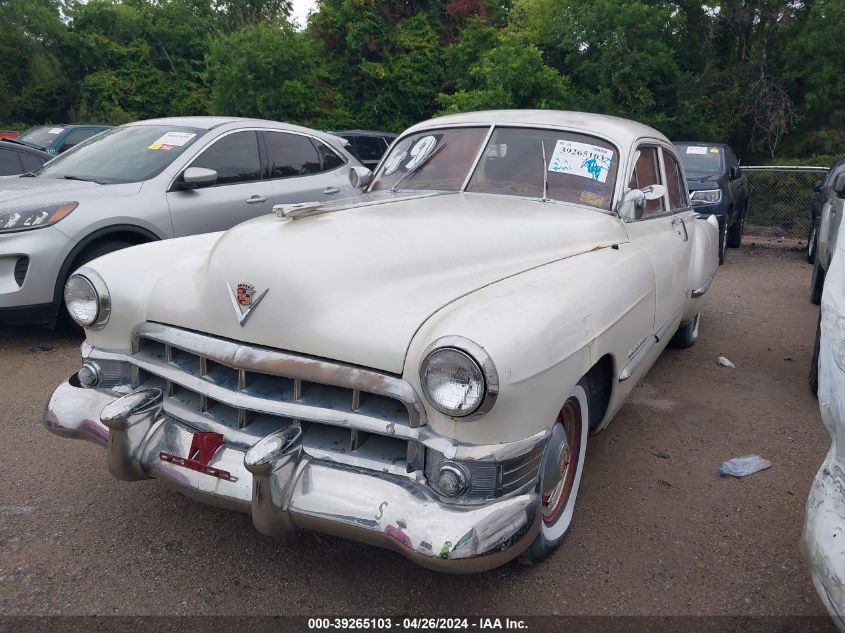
[701, 160]
[433, 159]
[126, 154]
[570, 167]
[40, 136]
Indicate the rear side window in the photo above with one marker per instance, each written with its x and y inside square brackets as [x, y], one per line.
[234, 158]
[291, 155]
[77, 136]
[647, 172]
[30, 162]
[10, 164]
[328, 156]
[370, 148]
[675, 182]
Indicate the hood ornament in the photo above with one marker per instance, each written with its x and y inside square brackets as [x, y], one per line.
[244, 300]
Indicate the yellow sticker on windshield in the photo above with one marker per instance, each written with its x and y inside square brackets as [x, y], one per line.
[714, 150]
[154, 146]
[588, 197]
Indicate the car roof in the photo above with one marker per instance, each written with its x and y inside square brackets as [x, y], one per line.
[623, 131]
[707, 143]
[364, 133]
[212, 122]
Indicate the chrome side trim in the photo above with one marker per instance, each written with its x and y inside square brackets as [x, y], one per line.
[637, 359]
[663, 330]
[698, 292]
[277, 363]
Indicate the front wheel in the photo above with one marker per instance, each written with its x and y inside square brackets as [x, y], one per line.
[560, 474]
[811, 242]
[734, 237]
[817, 284]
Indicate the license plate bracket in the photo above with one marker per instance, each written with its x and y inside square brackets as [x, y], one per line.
[204, 444]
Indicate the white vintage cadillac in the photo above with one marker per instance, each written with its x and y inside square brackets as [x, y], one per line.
[418, 368]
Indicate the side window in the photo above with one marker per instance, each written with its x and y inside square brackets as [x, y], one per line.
[370, 148]
[647, 172]
[75, 137]
[10, 164]
[675, 182]
[329, 157]
[233, 157]
[30, 162]
[291, 155]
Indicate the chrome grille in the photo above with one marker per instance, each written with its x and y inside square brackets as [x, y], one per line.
[347, 413]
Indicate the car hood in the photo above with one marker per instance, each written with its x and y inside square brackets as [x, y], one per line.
[354, 285]
[41, 189]
[704, 181]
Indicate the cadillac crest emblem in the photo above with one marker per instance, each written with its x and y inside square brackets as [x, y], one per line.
[244, 300]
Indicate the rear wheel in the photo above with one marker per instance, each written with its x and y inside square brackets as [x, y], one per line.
[687, 333]
[811, 241]
[817, 283]
[734, 238]
[560, 476]
[814, 365]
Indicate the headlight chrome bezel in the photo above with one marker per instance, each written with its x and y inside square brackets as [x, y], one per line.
[101, 290]
[709, 196]
[480, 358]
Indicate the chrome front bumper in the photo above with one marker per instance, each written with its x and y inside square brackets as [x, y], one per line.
[284, 488]
[823, 537]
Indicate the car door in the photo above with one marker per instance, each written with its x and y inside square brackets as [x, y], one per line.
[304, 169]
[662, 232]
[240, 193]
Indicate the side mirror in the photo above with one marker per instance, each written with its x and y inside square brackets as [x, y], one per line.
[839, 185]
[196, 177]
[736, 172]
[360, 177]
[817, 186]
[632, 205]
[654, 192]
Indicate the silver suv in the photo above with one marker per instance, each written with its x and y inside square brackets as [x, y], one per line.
[148, 181]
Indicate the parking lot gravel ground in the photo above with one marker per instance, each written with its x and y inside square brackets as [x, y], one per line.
[656, 531]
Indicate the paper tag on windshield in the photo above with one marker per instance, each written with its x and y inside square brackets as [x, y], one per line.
[694, 149]
[55, 130]
[171, 140]
[581, 159]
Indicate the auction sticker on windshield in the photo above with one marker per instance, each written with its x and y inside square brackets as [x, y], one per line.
[581, 159]
[695, 149]
[171, 140]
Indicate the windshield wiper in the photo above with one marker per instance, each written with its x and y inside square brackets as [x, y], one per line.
[79, 178]
[419, 166]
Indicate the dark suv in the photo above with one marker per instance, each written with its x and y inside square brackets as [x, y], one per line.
[56, 139]
[366, 145]
[717, 187]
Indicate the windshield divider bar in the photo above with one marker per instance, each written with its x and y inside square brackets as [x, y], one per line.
[478, 157]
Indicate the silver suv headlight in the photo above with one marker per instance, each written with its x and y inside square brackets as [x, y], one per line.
[37, 216]
[458, 378]
[87, 299]
[709, 196]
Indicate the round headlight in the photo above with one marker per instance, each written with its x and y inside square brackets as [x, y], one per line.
[453, 381]
[87, 299]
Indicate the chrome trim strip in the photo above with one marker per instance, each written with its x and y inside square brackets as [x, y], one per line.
[637, 359]
[664, 328]
[478, 157]
[276, 363]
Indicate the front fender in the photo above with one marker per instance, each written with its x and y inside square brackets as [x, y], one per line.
[544, 329]
[130, 275]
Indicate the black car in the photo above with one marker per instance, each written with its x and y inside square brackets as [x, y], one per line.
[821, 192]
[717, 187]
[366, 145]
[20, 159]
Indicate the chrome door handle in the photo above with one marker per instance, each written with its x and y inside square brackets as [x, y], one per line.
[331, 190]
[256, 199]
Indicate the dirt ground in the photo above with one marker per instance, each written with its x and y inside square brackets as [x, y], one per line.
[656, 531]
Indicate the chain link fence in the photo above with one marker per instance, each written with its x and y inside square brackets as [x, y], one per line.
[779, 200]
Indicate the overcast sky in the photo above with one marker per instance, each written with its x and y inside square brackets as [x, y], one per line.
[301, 8]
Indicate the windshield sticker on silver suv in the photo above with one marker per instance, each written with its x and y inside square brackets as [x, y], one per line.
[171, 140]
[695, 149]
[581, 159]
